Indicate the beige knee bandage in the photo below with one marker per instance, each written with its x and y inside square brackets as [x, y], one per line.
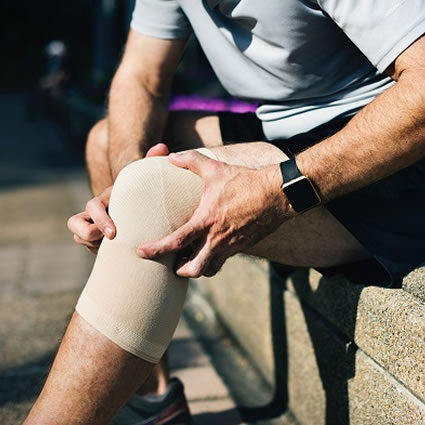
[135, 302]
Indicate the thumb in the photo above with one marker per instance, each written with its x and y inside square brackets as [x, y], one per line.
[160, 149]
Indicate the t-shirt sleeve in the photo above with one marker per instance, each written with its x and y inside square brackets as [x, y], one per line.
[160, 19]
[381, 29]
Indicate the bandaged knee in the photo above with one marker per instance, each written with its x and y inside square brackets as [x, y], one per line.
[135, 302]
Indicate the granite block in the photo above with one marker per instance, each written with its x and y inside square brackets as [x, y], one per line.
[330, 382]
[388, 324]
[414, 283]
[377, 398]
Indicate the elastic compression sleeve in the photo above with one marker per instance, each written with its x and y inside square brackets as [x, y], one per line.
[135, 302]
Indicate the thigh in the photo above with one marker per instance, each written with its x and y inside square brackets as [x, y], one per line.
[192, 129]
[195, 129]
[312, 239]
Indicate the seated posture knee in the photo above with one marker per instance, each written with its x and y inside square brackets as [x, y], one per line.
[135, 302]
[97, 140]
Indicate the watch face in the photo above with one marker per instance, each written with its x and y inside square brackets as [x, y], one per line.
[301, 195]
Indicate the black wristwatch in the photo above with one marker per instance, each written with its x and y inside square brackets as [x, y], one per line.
[298, 188]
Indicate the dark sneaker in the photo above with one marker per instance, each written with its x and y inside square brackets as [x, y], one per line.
[169, 409]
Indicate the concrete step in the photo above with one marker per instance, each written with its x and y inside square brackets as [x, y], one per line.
[342, 352]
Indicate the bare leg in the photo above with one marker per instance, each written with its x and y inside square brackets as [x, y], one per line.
[185, 130]
[91, 378]
[97, 158]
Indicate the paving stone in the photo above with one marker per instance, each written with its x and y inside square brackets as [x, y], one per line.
[184, 350]
[214, 412]
[56, 267]
[202, 383]
[36, 212]
[30, 330]
[186, 353]
[14, 413]
[11, 268]
[183, 331]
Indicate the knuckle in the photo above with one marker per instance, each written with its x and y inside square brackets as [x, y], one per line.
[86, 233]
[70, 222]
[89, 204]
[195, 270]
[191, 155]
[178, 243]
[92, 204]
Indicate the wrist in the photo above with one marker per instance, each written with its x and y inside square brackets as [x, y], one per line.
[280, 201]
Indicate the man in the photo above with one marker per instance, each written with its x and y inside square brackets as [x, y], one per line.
[348, 74]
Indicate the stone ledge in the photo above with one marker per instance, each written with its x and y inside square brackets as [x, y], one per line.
[328, 383]
[414, 283]
[387, 324]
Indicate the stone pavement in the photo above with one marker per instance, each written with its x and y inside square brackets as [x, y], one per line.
[43, 182]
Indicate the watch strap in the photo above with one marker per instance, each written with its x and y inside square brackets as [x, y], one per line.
[289, 170]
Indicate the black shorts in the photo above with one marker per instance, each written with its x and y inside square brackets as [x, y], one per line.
[386, 217]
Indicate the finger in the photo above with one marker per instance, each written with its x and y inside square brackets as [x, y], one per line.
[105, 196]
[82, 225]
[92, 250]
[176, 241]
[193, 161]
[160, 149]
[214, 267]
[88, 244]
[197, 265]
[97, 211]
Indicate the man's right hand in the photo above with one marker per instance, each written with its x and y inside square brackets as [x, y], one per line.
[91, 225]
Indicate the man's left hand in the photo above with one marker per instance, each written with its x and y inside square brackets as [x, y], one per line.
[239, 206]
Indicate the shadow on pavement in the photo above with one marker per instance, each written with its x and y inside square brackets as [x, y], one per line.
[23, 383]
[225, 417]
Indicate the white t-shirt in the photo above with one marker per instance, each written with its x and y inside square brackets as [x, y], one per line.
[306, 61]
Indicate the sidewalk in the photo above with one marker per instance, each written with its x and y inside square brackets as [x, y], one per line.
[42, 271]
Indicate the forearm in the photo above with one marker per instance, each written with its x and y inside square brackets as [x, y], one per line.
[136, 120]
[386, 136]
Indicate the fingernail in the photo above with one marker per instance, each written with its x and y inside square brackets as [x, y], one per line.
[109, 232]
[140, 252]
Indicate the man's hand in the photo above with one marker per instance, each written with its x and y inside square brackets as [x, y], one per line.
[91, 225]
[239, 207]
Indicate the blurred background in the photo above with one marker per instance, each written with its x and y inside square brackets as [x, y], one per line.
[57, 62]
[63, 55]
